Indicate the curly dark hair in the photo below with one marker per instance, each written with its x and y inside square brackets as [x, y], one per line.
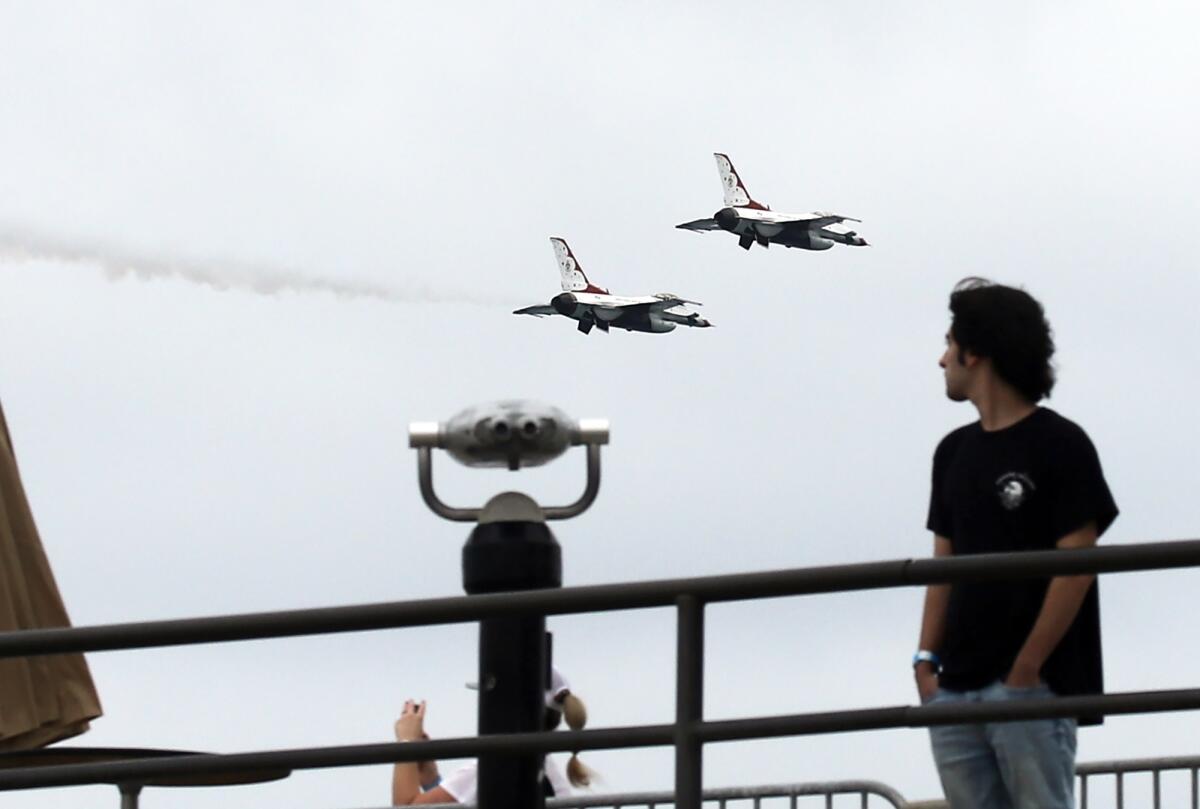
[1008, 326]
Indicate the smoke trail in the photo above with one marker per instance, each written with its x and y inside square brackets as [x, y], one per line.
[25, 246]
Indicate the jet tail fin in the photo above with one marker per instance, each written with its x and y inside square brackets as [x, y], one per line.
[573, 279]
[736, 195]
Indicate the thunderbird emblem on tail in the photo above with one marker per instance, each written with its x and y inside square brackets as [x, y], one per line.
[594, 307]
[754, 222]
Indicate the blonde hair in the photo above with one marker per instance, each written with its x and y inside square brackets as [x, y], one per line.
[575, 712]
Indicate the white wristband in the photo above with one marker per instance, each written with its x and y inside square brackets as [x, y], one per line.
[926, 656]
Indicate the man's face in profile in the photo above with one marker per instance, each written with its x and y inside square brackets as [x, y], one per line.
[955, 371]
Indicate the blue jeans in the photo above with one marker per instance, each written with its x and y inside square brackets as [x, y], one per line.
[1005, 765]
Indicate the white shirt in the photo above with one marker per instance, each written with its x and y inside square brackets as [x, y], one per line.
[463, 782]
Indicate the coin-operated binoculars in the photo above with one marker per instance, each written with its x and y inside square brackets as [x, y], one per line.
[510, 548]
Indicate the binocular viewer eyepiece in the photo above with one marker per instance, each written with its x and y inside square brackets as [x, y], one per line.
[512, 434]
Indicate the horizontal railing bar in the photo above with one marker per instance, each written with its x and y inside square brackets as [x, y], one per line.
[145, 771]
[595, 598]
[949, 714]
[1138, 765]
[765, 792]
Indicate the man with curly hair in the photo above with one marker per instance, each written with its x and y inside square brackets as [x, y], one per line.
[1020, 478]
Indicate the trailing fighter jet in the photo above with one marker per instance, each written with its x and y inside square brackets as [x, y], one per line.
[754, 222]
[587, 303]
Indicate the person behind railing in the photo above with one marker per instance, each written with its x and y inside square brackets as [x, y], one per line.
[420, 782]
[1021, 478]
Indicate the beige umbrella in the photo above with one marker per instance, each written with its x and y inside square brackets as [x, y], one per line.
[42, 699]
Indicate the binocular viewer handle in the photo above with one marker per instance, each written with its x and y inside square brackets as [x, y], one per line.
[425, 481]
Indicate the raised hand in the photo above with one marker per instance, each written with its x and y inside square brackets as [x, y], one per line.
[411, 724]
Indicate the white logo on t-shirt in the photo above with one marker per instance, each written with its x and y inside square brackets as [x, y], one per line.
[1013, 488]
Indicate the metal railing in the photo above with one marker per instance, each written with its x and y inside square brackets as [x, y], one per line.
[687, 734]
[797, 796]
[1155, 766]
[865, 790]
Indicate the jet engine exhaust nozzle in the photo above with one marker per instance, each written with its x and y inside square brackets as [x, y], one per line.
[564, 303]
[726, 218]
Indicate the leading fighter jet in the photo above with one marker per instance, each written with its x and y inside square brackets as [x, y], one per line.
[592, 306]
[754, 222]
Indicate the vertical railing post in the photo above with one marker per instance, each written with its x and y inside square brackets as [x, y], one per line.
[129, 795]
[689, 702]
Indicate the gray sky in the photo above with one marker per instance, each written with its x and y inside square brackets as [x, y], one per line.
[242, 246]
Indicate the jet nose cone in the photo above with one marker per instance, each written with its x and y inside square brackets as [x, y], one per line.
[727, 218]
[564, 303]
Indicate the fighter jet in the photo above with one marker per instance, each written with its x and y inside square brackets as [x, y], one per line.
[592, 306]
[754, 222]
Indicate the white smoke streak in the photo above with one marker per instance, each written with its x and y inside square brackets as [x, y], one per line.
[21, 245]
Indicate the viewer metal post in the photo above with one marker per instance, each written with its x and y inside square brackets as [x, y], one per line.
[510, 549]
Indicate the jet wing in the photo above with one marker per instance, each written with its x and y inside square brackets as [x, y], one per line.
[649, 306]
[666, 302]
[614, 304]
[537, 311]
[816, 219]
[824, 220]
[700, 225]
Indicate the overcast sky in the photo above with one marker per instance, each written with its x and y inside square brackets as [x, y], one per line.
[243, 245]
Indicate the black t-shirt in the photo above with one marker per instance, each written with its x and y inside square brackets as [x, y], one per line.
[1022, 488]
